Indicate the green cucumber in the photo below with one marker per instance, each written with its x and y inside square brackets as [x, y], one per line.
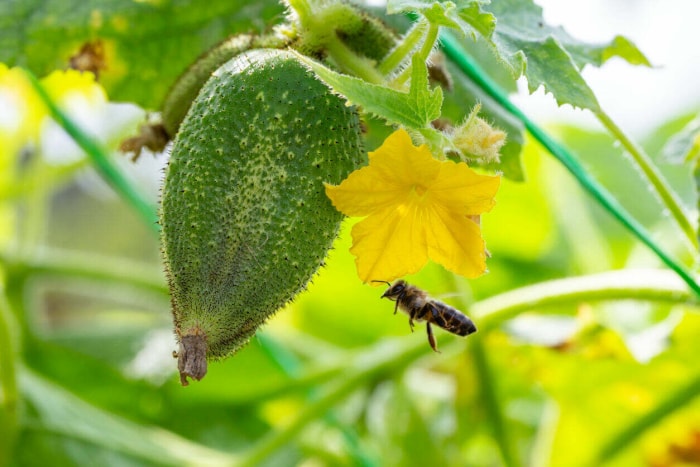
[359, 30]
[373, 38]
[185, 89]
[245, 220]
[155, 136]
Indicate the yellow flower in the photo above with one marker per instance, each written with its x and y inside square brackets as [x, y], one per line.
[416, 208]
[23, 113]
[70, 85]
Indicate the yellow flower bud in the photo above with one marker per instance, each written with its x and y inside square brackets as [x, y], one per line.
[476, 139]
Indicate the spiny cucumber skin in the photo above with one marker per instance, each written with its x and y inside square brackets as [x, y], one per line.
[245, 220]
[362, 32]
[373, 39]
[185, 89]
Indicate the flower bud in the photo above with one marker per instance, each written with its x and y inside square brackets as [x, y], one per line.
[476, 139]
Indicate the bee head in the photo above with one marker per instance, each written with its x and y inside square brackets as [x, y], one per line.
[394, 289]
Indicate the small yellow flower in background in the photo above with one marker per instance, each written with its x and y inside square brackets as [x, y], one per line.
[417, 208]
[24, 121]
[68, 86]
[22, 112]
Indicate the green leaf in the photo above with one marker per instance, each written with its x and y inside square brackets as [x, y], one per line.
[463, 15]
[548, 56]
[58, 412]
[550, 65]
[147, 44]
[684, 146]
[598, 54]
[405, 435]
[414, 109]
[427, 102]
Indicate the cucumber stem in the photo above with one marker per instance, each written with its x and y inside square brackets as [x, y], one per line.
[8, 382]
[663, 190]
[679, 398]
[470, 68]
[407, 44]
[431, 35]
[350, 62]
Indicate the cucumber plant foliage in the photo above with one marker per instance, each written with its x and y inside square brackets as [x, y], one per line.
[261, 121]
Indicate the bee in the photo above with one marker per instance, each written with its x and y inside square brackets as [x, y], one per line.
[419, 307]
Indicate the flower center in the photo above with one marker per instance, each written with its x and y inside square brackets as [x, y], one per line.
[420, 190]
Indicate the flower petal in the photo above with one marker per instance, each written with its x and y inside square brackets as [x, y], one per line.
[403, 164]
[393, 171]
[455, 242]
[66, 85]
[363, 192]
[461, 190]
[390, 244]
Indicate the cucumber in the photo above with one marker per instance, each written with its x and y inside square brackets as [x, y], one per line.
[187, 86]
[244, 216]
[155, 136]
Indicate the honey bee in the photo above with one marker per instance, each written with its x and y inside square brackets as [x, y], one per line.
[419, 307]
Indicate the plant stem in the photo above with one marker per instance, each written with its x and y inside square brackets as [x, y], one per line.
[44, 179]
[321, 19]
[9, 417]
[645, 284]
[407, 44]
[83, 266]
[664, 191]
[290, 365]
[387, 357]
[490, 397]
[302, 8]
[487, 383]
[428, 43]
[454, 50]
[93, 149]
[351, 63]
[679, 398]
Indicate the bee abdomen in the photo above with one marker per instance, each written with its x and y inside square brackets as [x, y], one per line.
[452, 320]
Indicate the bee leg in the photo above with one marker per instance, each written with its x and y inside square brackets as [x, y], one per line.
[396, 307]
[431, 337]
[411, 315]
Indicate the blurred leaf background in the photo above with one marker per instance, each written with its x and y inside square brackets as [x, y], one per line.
[606, 375]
